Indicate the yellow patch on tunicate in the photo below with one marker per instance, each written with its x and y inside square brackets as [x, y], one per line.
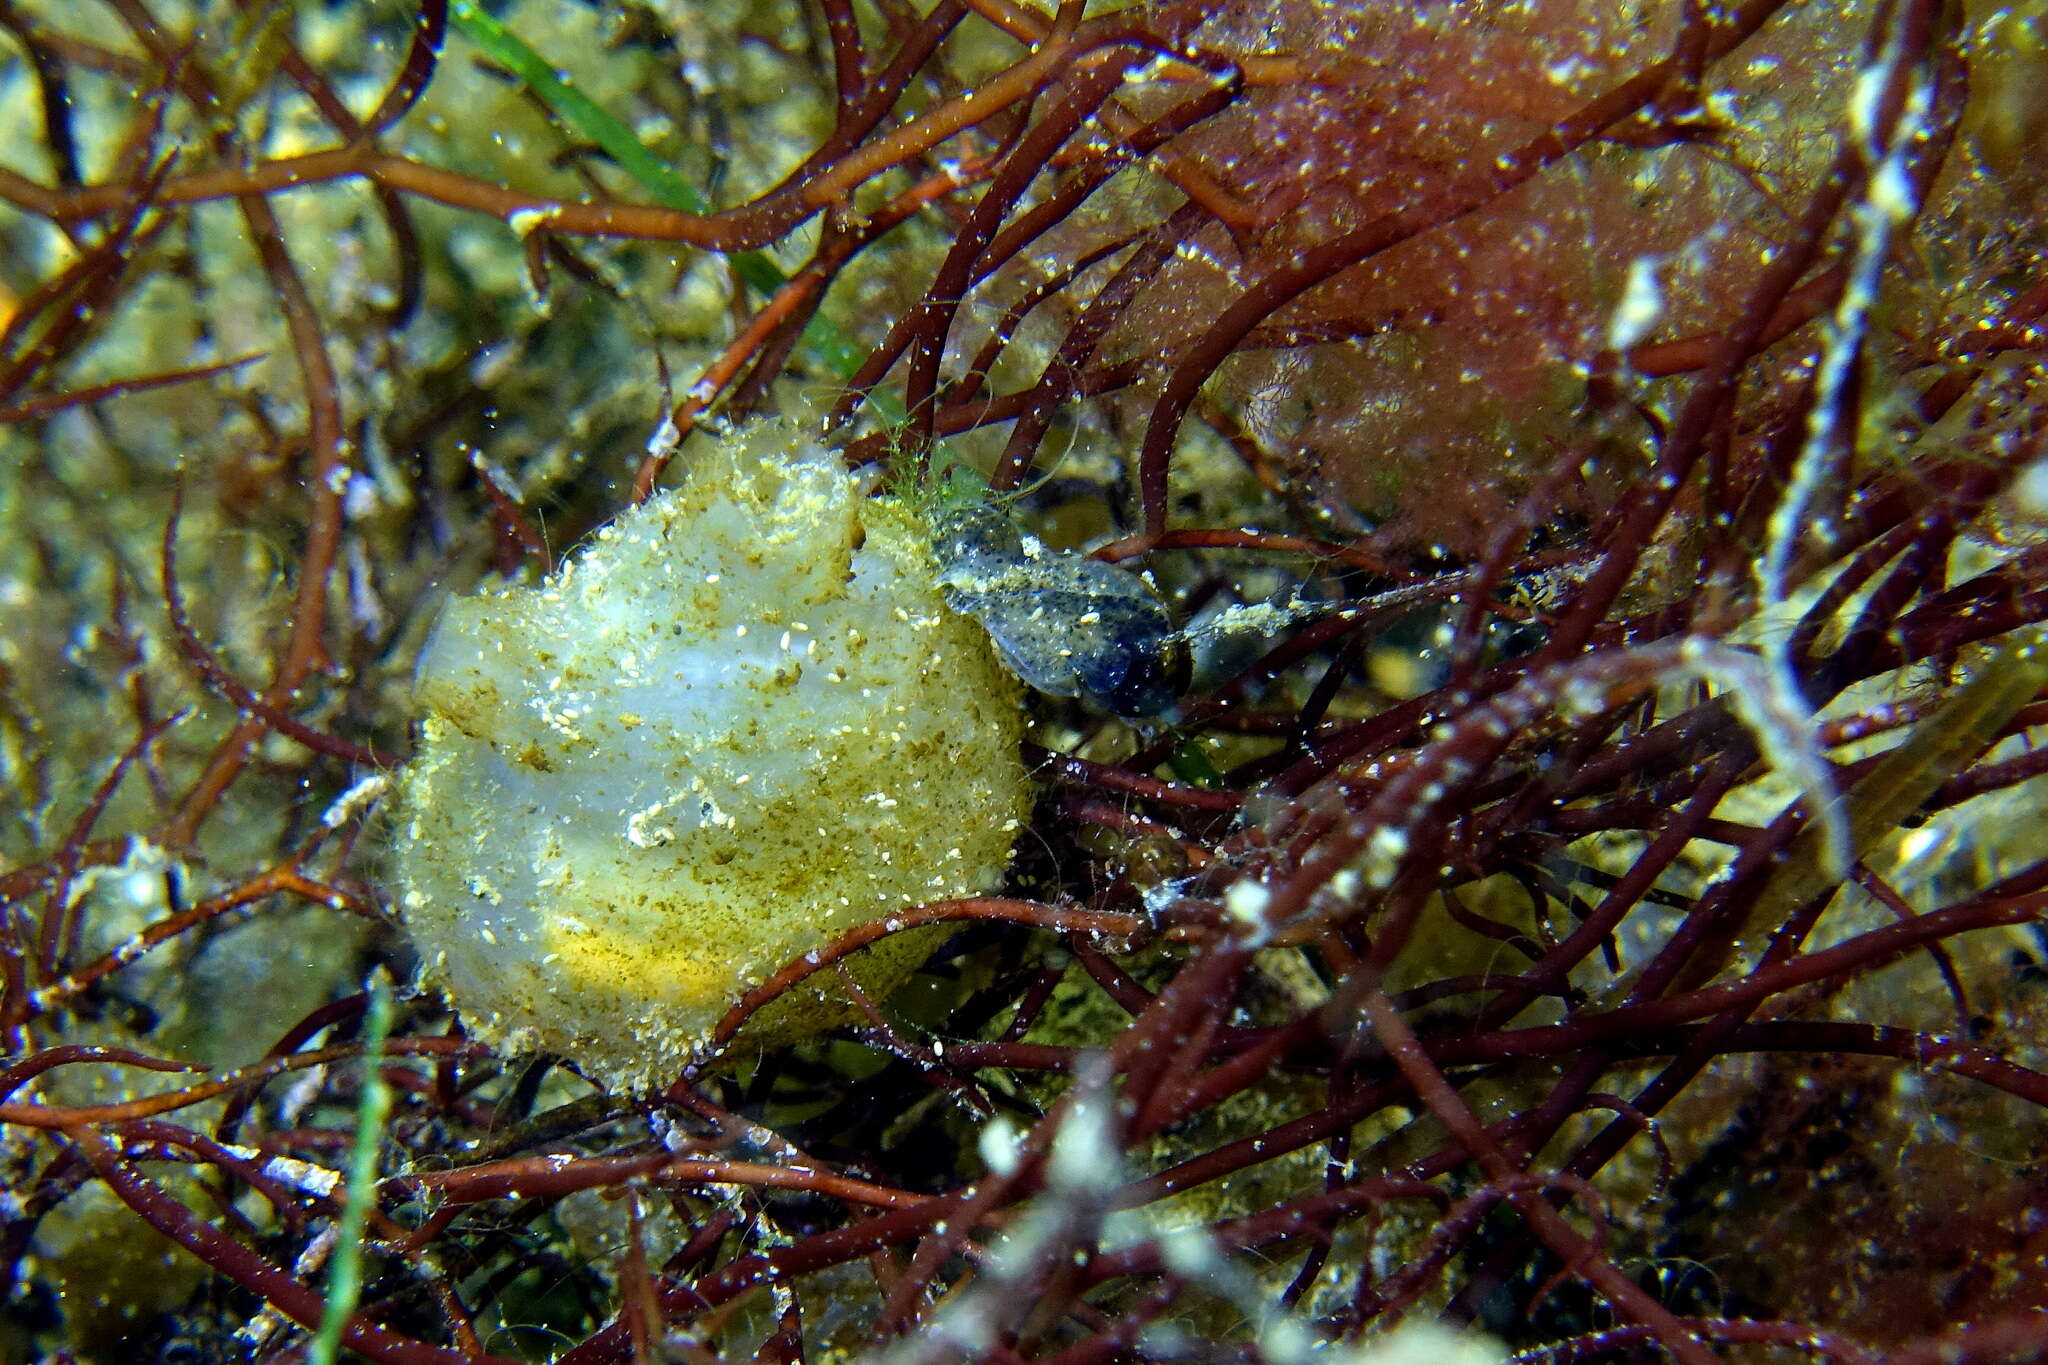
[593, 961]
[738, 722]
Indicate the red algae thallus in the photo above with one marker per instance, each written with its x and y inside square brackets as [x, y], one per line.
[736, 723]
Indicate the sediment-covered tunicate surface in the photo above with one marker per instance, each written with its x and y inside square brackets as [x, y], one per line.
[737, 722]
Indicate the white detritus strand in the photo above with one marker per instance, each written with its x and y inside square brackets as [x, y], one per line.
[1886, 205]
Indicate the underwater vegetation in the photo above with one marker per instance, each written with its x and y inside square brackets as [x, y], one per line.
[1496, 557]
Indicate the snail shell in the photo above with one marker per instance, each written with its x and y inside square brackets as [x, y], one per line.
[1067, 624]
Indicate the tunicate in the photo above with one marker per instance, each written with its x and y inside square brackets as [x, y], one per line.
[738, 721]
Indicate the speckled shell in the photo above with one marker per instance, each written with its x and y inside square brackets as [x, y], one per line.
[1067, 624]
[737, 722]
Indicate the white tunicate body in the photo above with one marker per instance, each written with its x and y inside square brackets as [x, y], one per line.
[737, 722]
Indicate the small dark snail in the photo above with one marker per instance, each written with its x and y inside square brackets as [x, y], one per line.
[1066, 624]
